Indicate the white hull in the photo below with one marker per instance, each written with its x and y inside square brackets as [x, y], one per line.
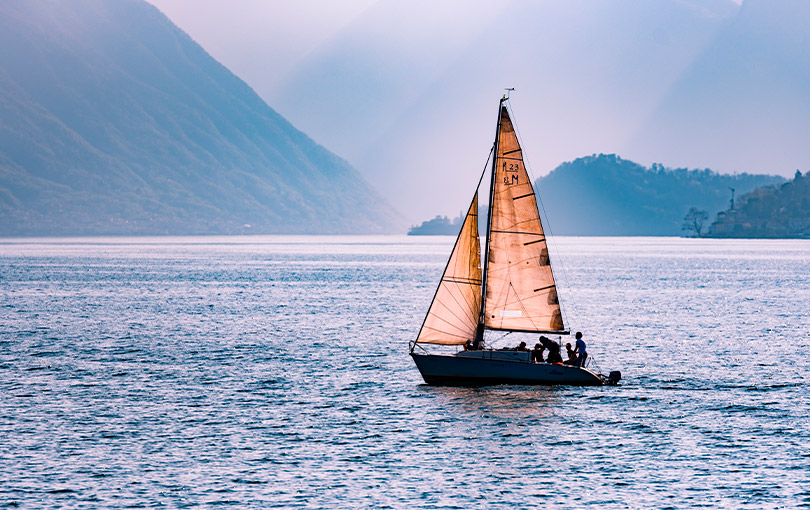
[499, 367]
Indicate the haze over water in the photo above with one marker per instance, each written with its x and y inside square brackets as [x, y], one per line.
[274, 372]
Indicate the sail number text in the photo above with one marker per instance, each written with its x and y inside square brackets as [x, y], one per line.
[510, 173]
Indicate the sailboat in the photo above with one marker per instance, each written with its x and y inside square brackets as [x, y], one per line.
[512, 291]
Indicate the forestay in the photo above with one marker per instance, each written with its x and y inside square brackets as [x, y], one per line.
[456, 307]
[521, 293]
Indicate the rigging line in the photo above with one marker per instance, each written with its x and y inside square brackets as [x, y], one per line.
[522, 306]
[454, 315]
[480, 179]
[501, 337]
[460, 305]
[413, 345]
[593, 362]
[464, 310]
[547, 224]
[444, 331]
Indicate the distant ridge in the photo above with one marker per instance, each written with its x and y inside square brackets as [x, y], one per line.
[609, 196]
[113, 121]
[605, 195]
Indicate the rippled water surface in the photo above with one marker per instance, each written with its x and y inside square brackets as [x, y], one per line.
[274, 372]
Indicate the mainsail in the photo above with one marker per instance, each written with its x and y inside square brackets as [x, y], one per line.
[456, 307]
[521, 293]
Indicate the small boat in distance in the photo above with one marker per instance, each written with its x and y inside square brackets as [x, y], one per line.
[513, 290]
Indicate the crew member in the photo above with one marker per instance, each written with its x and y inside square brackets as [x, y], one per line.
[580, 350]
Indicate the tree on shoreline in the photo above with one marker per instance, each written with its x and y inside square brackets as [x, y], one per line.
[694, 220]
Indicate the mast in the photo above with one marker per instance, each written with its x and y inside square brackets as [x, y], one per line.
[479, 332]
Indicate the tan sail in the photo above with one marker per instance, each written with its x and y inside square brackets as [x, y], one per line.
[456, 307]
[521, 293]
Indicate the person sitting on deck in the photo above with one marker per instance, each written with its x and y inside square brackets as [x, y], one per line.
[521, 347]
[572, 356]
[580, 349]
[537, 353]
[468, 345]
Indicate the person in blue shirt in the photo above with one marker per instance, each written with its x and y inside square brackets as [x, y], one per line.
[580, 350]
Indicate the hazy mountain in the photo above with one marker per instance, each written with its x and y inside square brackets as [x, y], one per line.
[607, 195]
[113, 120]
[408, 91]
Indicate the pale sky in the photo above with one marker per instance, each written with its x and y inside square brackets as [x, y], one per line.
[261, 40]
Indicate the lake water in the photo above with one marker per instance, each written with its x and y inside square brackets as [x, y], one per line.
[274, 372]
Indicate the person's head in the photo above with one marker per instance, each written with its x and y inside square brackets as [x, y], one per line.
[568, 346]
[537, 347]
[579, 335]
[522, 344]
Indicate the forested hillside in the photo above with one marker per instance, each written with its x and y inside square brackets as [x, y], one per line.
[771, 211]
[114, 121]
[607, 195]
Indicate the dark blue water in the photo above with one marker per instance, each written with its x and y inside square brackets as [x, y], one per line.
[273, 372]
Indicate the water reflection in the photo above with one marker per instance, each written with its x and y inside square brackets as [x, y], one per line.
[515, 403]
